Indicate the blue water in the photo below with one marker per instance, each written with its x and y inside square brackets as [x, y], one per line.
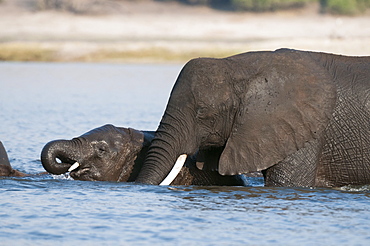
[40, 102]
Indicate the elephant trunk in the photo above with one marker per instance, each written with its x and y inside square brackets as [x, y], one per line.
[66, 151]
[172, 139]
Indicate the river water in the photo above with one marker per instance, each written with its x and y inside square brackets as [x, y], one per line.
[40, 102]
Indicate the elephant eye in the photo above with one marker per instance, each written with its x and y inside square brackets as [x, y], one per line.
[101, 148]
[206, 118]
[202, 113]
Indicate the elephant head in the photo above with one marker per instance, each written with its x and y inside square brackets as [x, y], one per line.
[5, 167]
[257, 107]
[110, 153]
[107, 153]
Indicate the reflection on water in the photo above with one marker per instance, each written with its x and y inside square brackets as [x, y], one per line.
[41, 102]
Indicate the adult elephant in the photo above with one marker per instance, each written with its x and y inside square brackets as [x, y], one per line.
[110, 153]
[300, 117]
[5, 167]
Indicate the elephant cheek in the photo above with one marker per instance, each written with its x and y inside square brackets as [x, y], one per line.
[105, 172]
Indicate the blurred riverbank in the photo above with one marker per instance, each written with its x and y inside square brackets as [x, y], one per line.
[148, 31]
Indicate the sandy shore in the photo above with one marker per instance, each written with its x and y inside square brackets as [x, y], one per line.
[153, 31]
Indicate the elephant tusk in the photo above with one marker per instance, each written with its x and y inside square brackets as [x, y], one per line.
[74, 166]
[175, 170]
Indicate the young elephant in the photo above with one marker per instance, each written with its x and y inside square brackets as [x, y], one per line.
[110, 153]
[5, 167]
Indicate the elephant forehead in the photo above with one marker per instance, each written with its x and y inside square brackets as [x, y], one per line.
[211, 88]
[211, 95]
[108, 133]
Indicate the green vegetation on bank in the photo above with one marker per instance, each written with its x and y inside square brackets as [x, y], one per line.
[267, 5]
[24, 52]
[342, 7]
[154, 54]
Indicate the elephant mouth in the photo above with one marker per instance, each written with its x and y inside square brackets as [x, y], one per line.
[85, 172]
[81, 173]
[73, 165]
[76, 171]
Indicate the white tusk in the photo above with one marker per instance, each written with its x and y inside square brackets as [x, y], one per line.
[175, 170]
[74, 166]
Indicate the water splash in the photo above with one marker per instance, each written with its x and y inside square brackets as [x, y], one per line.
[64, 176]
[354, 188]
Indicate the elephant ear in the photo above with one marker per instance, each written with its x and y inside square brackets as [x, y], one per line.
[137, 138]
[134, 140]
[288, 103]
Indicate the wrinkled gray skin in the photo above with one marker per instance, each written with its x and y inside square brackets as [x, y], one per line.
[110, 153]
[5, 167]
[300, 117]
